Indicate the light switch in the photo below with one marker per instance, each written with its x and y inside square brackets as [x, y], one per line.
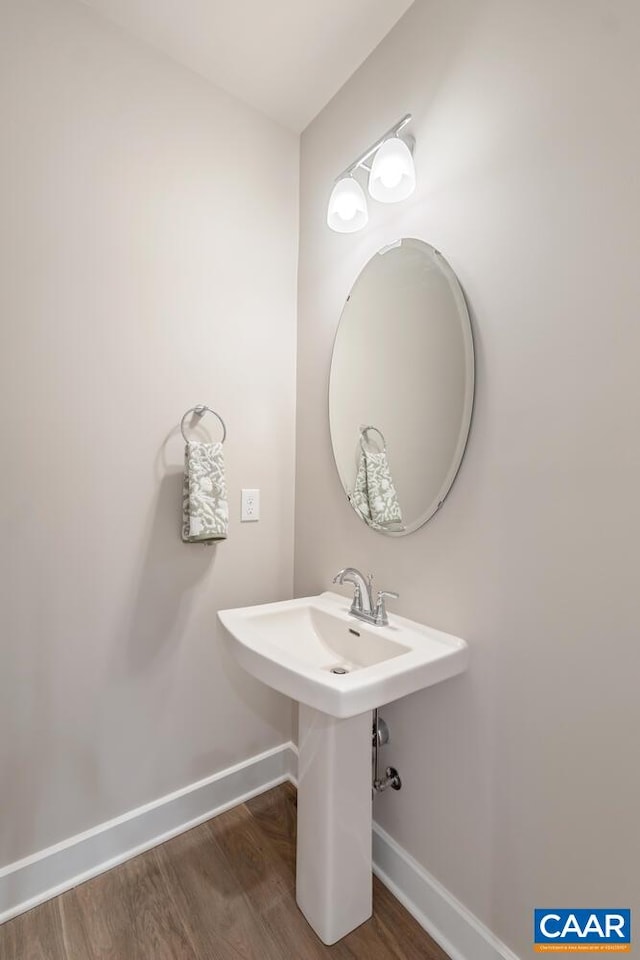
[250, 509]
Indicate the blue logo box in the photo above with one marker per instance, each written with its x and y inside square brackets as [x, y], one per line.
[560, 929]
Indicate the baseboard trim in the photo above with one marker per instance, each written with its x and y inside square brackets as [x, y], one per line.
[48, 873]
[28, 882]
[460, 934]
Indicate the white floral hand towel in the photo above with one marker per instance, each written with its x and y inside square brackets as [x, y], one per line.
[205, 511]
[374, 494]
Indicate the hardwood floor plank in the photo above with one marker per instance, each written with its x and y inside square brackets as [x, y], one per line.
[397, 921]
[222, 891]
[259, 919]
[276, 814]
[125, 914]
[263, 877]
[269, 887]
[36, 935]
[76, 940]
[211, 902]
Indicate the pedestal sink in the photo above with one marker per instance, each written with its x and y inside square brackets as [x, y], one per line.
[294, 646]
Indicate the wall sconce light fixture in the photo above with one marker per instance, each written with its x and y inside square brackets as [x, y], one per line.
[392, 177]
[347, 206]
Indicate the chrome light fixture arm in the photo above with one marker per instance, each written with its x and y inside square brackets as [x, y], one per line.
[369, 152]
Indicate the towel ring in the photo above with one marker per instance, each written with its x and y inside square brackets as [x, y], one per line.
[200, 409]
[365, 430]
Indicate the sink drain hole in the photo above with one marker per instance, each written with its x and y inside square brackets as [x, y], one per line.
[339, 670]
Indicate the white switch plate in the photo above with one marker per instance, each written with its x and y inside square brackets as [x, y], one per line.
[250, 509]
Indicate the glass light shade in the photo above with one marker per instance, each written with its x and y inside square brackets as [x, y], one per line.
[393, 174]
[347, 210]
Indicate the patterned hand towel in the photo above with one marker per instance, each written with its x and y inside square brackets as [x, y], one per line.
[205, 512]
[374, 494]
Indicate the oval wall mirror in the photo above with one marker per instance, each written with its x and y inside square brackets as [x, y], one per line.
[401, 387]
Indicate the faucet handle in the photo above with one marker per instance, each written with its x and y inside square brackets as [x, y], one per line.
[388, 593]
[381, 617]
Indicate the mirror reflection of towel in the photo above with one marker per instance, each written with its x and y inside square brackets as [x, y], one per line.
[374, 494]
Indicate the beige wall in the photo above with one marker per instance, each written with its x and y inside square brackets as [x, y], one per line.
[521, 786]
[148, 254]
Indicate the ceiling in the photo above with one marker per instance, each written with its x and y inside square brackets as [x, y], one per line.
[287, 58]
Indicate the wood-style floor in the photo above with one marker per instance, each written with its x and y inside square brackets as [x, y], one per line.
[223, 891]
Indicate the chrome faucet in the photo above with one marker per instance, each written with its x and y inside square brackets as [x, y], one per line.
[362, 605]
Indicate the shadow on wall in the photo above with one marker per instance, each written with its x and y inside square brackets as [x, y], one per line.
[152, 640]
[24, 786]
[170, 571]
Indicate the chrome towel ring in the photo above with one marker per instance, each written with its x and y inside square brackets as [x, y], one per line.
[363, 436]
[200, 409]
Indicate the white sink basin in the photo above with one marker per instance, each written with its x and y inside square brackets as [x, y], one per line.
[293, 645]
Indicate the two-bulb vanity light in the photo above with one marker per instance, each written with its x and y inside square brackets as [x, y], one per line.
[392, 177]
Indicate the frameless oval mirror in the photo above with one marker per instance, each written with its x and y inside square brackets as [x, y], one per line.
[401, 387]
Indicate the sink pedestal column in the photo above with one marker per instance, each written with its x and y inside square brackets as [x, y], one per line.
[333, 873]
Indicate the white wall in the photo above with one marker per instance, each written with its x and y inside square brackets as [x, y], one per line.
[520, 781]
[148, 256]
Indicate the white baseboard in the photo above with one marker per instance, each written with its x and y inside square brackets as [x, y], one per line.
[452, 926]
[26, 883]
